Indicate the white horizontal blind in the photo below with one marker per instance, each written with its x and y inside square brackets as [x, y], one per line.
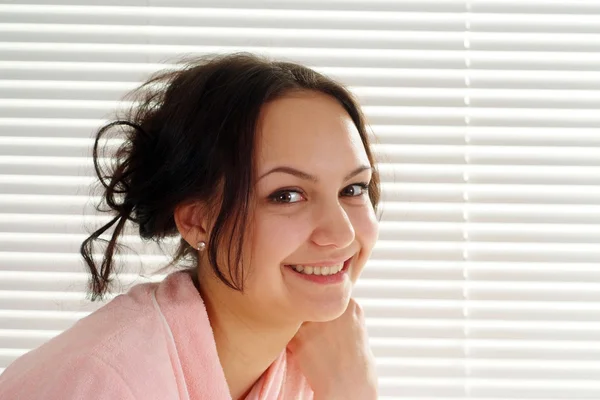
[532, 200]
[485, 282]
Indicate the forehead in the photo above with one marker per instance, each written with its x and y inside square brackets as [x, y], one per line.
[308, 130]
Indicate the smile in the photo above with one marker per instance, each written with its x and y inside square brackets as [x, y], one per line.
[321, 274]
[313, 270]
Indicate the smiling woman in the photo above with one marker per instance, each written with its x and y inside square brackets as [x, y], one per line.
[264, 170]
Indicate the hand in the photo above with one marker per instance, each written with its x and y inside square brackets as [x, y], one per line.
[335, 356]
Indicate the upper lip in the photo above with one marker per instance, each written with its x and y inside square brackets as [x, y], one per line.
[327, 263]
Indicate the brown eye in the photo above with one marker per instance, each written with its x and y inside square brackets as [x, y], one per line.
[356, 190]
[286, 197]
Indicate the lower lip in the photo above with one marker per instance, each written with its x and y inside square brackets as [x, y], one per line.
[324, 279]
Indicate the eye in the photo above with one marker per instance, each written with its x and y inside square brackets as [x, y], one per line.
[286, 197]
[356, 190]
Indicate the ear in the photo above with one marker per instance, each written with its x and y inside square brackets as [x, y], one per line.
[192, 223]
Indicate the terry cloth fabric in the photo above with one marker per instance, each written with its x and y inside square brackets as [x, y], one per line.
[153, 342]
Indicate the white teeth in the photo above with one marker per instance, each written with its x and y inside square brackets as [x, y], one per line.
[310, 270]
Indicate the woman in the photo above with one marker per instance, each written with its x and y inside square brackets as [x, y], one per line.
[264, 171]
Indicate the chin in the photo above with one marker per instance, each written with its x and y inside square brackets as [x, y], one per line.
[327, 312]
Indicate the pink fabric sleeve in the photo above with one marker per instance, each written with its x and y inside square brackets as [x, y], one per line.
[75, 379]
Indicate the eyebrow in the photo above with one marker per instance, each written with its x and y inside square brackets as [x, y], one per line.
[309, 177]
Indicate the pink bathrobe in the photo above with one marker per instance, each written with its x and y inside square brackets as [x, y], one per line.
[154, 342]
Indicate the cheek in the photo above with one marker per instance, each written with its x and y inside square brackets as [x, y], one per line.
[366, 228]
[278, 236]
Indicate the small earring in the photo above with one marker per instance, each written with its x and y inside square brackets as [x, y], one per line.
[201, 246]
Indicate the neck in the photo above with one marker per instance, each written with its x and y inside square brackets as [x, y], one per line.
[247, 344]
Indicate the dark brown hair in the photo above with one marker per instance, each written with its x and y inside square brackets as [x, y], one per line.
[191, 130]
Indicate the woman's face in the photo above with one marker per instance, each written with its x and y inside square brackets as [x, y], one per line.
[310, 208]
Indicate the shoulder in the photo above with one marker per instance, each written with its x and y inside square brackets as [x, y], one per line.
[109, 354]
[75, 377]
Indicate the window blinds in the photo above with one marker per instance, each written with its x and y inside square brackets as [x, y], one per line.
[485, 283]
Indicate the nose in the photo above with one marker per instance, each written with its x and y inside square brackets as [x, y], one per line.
[333, 227]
